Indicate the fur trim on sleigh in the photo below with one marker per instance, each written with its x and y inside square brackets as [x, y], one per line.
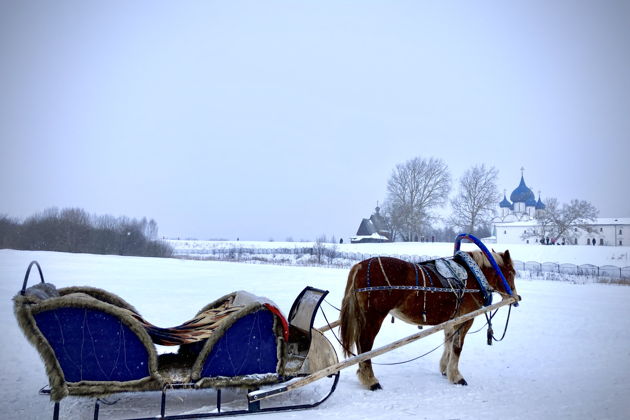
[27, 306]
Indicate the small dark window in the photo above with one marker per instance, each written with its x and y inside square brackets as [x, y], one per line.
[601, 241]
[601, 229]
[505, 232]
[620, 232]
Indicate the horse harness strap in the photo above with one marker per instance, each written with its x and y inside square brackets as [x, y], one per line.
[446, 268]
[484, 287]
[427, 289]
[383, 271]
[454, 272]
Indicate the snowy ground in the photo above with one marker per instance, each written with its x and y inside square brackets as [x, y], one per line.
[574, 254]
[566, 354]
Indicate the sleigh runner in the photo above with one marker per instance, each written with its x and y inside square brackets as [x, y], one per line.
[95, 344]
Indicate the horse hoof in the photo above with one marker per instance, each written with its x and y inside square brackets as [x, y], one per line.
[462, 382]
[375, 387]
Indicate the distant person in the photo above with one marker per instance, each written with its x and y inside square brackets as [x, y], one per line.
[341, 240]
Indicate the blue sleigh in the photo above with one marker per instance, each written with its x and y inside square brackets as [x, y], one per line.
[93, 343]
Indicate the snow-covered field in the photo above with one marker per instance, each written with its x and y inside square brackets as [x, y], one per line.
[566, 353]
[574, 254]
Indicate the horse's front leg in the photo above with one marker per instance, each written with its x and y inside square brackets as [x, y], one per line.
[365, 343]
[449, 364]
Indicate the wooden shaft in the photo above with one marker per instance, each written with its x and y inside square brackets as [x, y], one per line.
[377, 352]
[330, 326]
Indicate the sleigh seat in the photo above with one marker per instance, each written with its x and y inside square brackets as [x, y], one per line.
[94, 343]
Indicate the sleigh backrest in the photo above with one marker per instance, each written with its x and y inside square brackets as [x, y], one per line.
[84, 341]
[302, 317]
[247, 348]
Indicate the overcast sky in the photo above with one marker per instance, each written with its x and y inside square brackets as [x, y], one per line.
[276, 119]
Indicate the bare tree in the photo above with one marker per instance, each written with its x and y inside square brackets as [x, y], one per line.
[414, 189]
[474, 205]
[76, 225]
[392, 219]
[151, 230]
[319, 248]
[9, 230]
[562, 222]
[74, 230]
[332, 250]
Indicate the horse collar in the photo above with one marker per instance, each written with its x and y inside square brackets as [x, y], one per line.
[484, 287]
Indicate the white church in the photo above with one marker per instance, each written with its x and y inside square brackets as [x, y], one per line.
[517, 224]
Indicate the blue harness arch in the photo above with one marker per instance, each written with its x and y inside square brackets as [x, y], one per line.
[488, 254]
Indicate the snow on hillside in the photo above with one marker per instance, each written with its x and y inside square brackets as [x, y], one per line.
[574, 254]
[566, 354]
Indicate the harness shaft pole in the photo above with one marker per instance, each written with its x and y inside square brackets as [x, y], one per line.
[260, 395]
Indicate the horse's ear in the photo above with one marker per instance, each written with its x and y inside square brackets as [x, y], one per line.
[506, 255]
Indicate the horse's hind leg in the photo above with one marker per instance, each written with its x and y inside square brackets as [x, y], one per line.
[449, 364]
[448, 346]
[365, 343]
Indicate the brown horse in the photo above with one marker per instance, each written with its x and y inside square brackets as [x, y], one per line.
[363, 311]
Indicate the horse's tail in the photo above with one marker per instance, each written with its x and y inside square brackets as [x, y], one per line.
[352, 317]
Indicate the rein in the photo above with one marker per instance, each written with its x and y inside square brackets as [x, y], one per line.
[490, 333]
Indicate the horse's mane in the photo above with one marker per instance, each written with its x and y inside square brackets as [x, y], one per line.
[483, 262]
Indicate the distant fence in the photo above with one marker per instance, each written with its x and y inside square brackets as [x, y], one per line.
[331, 256]
[580, 270]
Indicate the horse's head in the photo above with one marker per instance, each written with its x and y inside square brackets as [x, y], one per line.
[508, 270]
[504, 261]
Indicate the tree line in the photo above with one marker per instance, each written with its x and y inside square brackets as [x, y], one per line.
[420, 186]
[74, 230]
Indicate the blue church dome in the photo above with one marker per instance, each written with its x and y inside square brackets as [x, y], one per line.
[540, 205]
[505, 204]
[531, 202]
[522, 194]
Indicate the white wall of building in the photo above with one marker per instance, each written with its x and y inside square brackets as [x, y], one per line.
[512, 233]
[605, 231]
[608, 232]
